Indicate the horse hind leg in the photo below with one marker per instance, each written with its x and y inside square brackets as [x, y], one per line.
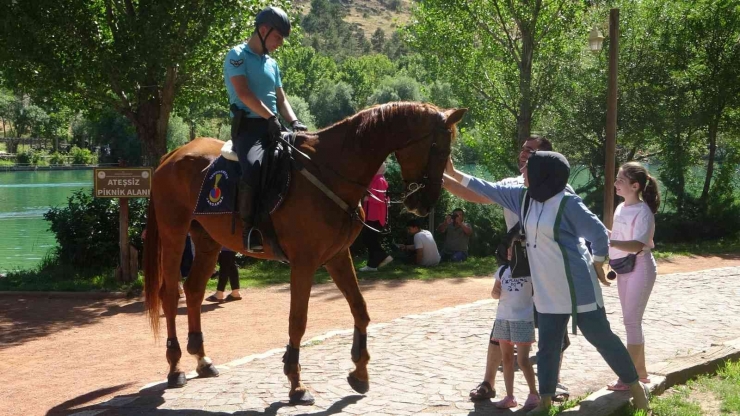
[204, 262]
[342, 271]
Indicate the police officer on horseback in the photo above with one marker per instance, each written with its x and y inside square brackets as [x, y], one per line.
[256, 95]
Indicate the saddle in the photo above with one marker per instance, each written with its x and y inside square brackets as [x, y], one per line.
[277, 164]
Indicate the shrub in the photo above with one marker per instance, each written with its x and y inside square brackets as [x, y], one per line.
[56, 158]
[81, 156]
[87, 229]
[28, 157]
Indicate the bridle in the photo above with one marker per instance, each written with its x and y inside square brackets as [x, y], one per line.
[410, 188]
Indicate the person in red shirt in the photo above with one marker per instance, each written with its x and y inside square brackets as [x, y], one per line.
[376, 216]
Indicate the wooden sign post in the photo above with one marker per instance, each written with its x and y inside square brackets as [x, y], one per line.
[124, 183]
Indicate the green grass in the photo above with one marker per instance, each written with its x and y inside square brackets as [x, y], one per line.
[265, 273]
[568, 404]
[52, 277]
[719, 246]
[49, 276]
[7, 163]
[720, 392]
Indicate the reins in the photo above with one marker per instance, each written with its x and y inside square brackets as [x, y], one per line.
[410, 188]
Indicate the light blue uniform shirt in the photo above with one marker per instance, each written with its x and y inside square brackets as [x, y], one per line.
[262, 73]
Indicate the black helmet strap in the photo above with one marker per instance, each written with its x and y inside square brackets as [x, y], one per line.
[262, 40]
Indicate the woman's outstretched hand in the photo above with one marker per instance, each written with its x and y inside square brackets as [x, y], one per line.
[450, 170]
[599, 266]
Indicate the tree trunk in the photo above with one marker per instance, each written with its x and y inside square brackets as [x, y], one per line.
[153, 145]
[152, 118]
[680, 174]
[713, 125]
[192, 130]
[524, 119]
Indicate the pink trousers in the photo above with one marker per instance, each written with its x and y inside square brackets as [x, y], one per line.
[634, 292]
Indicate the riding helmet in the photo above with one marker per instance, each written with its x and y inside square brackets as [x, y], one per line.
[274, 17]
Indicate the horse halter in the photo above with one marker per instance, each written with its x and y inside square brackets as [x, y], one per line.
[411, 188]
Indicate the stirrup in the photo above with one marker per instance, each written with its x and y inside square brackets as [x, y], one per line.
[254, 248]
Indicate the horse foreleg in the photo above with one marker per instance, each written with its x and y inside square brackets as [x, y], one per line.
[204, 262]
[301, 279]
[342, 271]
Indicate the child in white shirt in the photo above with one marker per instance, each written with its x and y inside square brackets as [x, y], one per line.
[515, 326]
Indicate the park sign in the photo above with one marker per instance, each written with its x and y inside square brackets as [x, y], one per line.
[122, 182]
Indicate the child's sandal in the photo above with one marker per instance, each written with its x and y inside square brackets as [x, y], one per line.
[618, 386]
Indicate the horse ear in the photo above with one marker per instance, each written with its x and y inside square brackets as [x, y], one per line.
[453, 116]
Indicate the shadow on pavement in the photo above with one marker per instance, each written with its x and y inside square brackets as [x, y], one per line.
[26, 319]
[147, 401]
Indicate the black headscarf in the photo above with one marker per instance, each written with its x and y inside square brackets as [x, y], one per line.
[548, 174]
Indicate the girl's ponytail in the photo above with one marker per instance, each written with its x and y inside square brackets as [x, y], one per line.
[651, 194]
[635, 172]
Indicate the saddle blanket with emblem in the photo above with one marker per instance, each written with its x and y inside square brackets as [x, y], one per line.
[218, 192]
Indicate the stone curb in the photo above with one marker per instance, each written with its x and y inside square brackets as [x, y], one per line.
[65, 295]
[668, 374]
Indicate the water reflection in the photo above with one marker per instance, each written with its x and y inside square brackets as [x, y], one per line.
[24, 198]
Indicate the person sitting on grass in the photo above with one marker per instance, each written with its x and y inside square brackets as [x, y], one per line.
[457, 236]
[424, 250]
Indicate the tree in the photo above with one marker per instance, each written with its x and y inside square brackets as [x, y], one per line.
[331, 102]
[303, 69]
[505, 56]
[128, 55]
[364, 74]
[6, 106]
[399, 88]
[378, 40]
[713, 29]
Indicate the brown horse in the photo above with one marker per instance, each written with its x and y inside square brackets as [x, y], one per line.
[312, 229]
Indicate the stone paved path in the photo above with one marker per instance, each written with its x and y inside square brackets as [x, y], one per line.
[426, 364]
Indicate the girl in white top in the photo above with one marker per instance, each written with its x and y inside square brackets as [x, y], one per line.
[632, 232]
[514, 325]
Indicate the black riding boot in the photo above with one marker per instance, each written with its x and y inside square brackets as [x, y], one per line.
[251, 236]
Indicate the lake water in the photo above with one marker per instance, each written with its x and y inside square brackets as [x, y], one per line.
[24, 198]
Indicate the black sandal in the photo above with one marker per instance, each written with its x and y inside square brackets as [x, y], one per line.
[483, 391]
[213, 298]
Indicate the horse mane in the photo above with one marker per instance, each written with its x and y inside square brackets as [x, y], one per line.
[410, 113]
[380, 115]
[382, 119]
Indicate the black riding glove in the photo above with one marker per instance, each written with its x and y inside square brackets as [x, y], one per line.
[298, 126]
[274, 129]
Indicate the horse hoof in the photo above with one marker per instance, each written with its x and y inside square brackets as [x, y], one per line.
[207, 371]
[360, 386]
[301, 398]
[176, 380]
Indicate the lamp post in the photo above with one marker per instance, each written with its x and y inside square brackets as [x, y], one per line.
[595, 40]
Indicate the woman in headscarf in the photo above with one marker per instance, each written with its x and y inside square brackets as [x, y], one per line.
[565, 275]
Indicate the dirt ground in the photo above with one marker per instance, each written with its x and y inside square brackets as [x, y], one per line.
[60, 354]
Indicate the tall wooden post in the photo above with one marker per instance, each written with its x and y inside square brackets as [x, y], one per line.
[125, 265]
[611, 119]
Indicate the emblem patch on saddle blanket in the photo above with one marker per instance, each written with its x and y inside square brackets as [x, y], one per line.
[218, 192]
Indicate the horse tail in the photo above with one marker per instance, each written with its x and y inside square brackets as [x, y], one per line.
[152, 269]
